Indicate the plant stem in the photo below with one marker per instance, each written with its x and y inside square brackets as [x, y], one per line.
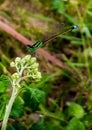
[8, 108]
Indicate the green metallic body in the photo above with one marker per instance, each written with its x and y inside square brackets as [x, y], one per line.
[38, 44]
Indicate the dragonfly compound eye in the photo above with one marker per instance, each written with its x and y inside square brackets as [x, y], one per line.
[75, 27]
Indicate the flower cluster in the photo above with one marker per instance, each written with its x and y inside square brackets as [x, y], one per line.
[26, 67]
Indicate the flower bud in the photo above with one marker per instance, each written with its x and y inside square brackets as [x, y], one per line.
[15, 76]
[12, 64]
[35, 65]
[26, 58]
[17, 60]
[33, 60]
[39, 75]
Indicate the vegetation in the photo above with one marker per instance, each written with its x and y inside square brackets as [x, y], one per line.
[60, 97]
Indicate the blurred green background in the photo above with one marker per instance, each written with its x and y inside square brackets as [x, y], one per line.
[62, 100]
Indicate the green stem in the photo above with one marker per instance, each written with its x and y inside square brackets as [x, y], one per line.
[8, 108]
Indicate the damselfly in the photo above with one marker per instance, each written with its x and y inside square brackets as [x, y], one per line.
[40, 44]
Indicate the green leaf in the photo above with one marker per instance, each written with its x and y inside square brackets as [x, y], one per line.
[75, 124]
[43, 124]
[70, 18]
[4, 83]
[17, 109]
[16, 126]
[2, 109]
[89, 12]
[88, 120]
[85, 30]
[3, 102]
[58, 5]
[88, 52]
[40, 125]
[33, 97]
[75, 110]
[10, 127]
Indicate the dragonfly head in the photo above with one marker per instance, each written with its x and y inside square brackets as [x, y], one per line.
[74, 26]
[30, 48]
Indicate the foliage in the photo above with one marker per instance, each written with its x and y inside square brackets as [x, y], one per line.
[16, 126]
[26, 68]
[76, 110]
[4, 83]
[75, 124]
[63, 98]
[17, 109]
[33, 97]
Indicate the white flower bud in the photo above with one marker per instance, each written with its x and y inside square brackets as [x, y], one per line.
[33, 60]
[15, 76]
[26, 58]
[17, 60]
[35, 65]
[18, 86]
[12, 64]
[35, 70]
[39, 75]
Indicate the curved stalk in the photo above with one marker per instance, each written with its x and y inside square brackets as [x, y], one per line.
[8, 108]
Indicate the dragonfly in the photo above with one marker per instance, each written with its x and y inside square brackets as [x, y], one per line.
[40, 44]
